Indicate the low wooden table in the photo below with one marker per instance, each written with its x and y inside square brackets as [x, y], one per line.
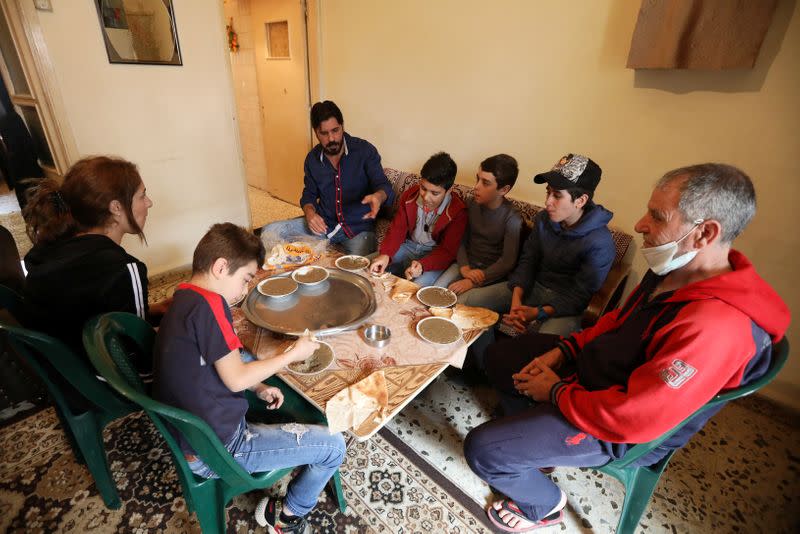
[409, 363]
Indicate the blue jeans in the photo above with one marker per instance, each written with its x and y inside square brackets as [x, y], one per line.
[272, 449]
[408, 252]
[448, 276]
[361, 244]
[258, 447]
[496, 296]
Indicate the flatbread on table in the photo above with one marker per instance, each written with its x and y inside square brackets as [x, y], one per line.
[386, 280]
[467, 317]
[403, 290]
[353, 405]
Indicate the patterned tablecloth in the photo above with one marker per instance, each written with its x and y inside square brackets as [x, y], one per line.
[408, 362]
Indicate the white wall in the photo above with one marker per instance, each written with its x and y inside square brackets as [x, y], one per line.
[177, 123]
[539, 79]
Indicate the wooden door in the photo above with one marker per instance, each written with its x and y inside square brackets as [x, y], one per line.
[279, 30]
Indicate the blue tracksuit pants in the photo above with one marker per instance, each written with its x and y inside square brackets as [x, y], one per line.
[508, 452]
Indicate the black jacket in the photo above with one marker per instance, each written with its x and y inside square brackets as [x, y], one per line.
[75, 279]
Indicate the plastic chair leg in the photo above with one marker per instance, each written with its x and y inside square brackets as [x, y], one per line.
[210, 508]
[90, 438]
[76, 450]
[336, 482]
[639, 487]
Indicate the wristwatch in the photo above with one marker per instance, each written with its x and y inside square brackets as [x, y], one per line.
[542, 316]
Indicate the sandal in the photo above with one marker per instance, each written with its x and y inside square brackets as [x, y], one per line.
[523, 523]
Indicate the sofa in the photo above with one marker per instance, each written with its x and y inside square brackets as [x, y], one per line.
[604, 300]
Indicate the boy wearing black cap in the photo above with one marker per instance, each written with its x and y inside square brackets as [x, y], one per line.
[565, 259]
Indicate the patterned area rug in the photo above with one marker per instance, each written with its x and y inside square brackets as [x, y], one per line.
[388, 487]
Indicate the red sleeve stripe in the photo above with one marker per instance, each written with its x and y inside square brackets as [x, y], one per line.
[215, 303]
[339, 201]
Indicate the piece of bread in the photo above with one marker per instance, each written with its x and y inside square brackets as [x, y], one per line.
[338, 412]
[403, 290]
[441, 312]
[372, 387]
[467, 317]
[353, 405]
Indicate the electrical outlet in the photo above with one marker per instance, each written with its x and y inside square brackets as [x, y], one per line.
[43, 5]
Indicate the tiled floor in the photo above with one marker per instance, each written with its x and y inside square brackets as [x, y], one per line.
[265, 209]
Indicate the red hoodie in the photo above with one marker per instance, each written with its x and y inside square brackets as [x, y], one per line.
[647, 366]
[447, 231]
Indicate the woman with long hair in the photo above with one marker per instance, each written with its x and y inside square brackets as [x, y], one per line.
[77, 267]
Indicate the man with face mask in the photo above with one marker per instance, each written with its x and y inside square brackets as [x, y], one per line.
[344, 187]
[701, 321]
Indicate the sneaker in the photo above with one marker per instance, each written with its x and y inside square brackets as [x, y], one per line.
[268, 514]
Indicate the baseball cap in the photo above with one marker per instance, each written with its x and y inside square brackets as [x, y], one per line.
[573, 170]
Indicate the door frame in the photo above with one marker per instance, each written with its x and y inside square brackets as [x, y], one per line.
[313, 11]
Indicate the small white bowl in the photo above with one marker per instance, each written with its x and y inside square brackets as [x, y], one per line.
[423, 322]
[266, 282]
[298, 274]
[435, 289]
[340, 262]
[320, 367]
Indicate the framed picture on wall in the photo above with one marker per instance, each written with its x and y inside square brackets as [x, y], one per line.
[139, 31]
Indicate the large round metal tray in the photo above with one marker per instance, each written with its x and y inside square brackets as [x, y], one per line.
[342, 302]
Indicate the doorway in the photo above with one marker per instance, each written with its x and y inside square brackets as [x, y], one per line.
[272, 86]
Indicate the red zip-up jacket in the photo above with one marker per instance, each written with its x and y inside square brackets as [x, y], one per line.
[647, 366]
[447, 231]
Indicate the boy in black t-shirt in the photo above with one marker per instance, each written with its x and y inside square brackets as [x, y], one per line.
[199, 368]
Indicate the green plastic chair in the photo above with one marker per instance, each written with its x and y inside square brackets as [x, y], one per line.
[82, 425]
[208, 498]
[641, 481]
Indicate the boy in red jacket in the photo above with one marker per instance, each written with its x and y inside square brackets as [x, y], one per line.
[426, 231]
